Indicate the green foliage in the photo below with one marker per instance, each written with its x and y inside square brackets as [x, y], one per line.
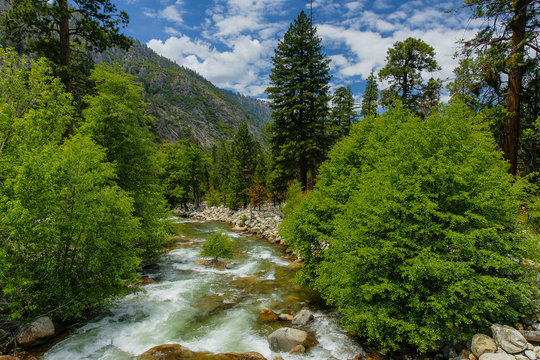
[405, 62]
[65, 32]
[243, 163]
[343, 113]
[185, 172]
[71, 232]
[67, 231]
[299, 93]
[218, 245]
[116, 120]
[371, 95]
[411, 231]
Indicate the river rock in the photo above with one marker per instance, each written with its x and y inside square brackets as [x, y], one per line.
[285, 339]
[285, 317]
[303, 318]
[177, 352]
[267, 315]
[482, 344]
[298, 349]
[521, 357]
[492, 356]
[36, 332]
[374, 355]
[508, 338]
[531, 354]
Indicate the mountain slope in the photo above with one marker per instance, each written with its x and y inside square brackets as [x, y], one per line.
[184, 103]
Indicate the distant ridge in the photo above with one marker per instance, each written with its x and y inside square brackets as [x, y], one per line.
[184, 103]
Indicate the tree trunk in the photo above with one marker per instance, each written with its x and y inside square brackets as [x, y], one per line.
[303, 174]
[515, 83]
[65, 57]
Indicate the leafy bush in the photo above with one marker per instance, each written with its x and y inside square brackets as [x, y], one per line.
[411, 231]
[218, 245]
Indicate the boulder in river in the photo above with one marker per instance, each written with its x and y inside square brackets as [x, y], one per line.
[36, 332]
[482, 344]
[303, 318]
[267, 315]
[177, 352]
[496, 356]
[285, 339]
[508, 338]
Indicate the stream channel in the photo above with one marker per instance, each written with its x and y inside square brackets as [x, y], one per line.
[206, 309]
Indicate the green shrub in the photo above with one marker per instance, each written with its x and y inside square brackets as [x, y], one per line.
[218, 245]
[411, 231]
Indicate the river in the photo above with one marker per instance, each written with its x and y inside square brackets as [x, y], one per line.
[206, 309]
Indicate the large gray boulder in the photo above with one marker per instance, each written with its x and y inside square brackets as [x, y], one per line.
[509, 339]
[35, 333]
[303, 318]
[482, 344]
[286, 339]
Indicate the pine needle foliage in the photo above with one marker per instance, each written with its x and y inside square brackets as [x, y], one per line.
[411, 231]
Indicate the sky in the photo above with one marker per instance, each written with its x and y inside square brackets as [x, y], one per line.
[231, 42]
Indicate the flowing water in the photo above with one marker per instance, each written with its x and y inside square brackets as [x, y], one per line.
[206, 309]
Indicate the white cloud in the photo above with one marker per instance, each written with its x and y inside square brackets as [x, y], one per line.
[236, 38]
[172, 13]
[240, 68]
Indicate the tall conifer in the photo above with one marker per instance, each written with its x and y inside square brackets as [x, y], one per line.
[299, 93]
[371, 95]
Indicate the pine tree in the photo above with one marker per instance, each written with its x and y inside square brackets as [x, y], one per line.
[513, 38]
[61, 30]
[343, 113]
[243, 162]
[371, 95]
[405, 62]
[299, 93]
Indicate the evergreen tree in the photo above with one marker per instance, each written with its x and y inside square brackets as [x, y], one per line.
[185, 172]
[243, 163]
[371, 95]
[405, 62]
[60, 29]
[343, 113]
[512, 41]
[299, 93]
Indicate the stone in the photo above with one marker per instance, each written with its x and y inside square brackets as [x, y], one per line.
[298, 349]
[267, 315]
[285, 339]
[177, 352]
[521, 357]
[145, 282]
[278, 358]
[508, 338]
[530, 346]
[536, 326]
[531, 354]
[536, 349]
[303, 318]
[374, 355]
[472, 357]
[35, 333]
[482, 344]
[285, 317]
[492, 356]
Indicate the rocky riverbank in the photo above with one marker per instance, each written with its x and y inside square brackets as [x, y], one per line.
[263, 221]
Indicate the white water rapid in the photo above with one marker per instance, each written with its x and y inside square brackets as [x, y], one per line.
[205, 309]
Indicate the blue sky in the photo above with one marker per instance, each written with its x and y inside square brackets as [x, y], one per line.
[231, 42]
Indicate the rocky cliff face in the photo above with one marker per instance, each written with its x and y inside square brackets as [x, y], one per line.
[184, 103]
